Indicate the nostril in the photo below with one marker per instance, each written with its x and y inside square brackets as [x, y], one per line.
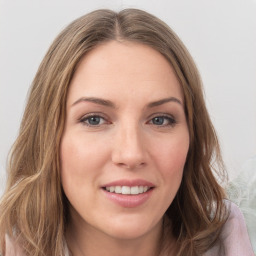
[131, 165]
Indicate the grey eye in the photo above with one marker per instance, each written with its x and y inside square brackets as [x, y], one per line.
[159, 120]
[94, 120]
[163, 121]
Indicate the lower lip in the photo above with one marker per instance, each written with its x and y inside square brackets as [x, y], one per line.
[128, 201]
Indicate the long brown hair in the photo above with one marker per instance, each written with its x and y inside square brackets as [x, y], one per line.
[33, 209]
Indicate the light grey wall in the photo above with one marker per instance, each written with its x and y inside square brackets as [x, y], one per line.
[220, 34]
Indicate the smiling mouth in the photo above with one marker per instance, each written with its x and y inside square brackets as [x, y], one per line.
[127, 190]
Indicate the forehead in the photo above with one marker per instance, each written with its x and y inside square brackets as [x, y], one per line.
[118, 69]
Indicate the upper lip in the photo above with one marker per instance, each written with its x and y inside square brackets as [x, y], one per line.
[129, 183]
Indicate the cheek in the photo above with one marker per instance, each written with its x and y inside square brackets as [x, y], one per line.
[74, 164]
[76, 174]
[171, 158]
[78, 155]
[172, 154]
[81, 164]
[172, 171]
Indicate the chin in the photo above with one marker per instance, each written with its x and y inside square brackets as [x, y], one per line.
[131, 228]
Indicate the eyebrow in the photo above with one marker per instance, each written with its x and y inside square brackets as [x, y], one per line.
[98, 101]
[163, 101]
[109, 103]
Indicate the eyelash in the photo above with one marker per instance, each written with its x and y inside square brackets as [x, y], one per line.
[85, 118]
[170, 120]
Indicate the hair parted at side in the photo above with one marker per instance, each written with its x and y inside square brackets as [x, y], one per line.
[33, 209]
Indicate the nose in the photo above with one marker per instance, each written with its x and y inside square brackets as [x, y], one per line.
[129, 149]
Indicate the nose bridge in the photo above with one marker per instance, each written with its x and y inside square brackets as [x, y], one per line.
[129, 149]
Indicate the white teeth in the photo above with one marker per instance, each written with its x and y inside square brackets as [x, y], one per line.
[135, 190]
[126, 190]
[118, 189]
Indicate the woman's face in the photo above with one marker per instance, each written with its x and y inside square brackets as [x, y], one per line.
[125, 140]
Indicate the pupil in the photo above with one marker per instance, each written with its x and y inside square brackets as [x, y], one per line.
[95, 120]
[158, 120]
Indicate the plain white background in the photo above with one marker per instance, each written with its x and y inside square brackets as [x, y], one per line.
[220, 34]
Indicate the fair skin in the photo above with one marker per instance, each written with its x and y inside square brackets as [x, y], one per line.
[125, 124]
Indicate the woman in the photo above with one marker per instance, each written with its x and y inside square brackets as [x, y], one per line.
[116, 149]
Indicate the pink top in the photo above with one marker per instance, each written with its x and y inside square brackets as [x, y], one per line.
[234, 239]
